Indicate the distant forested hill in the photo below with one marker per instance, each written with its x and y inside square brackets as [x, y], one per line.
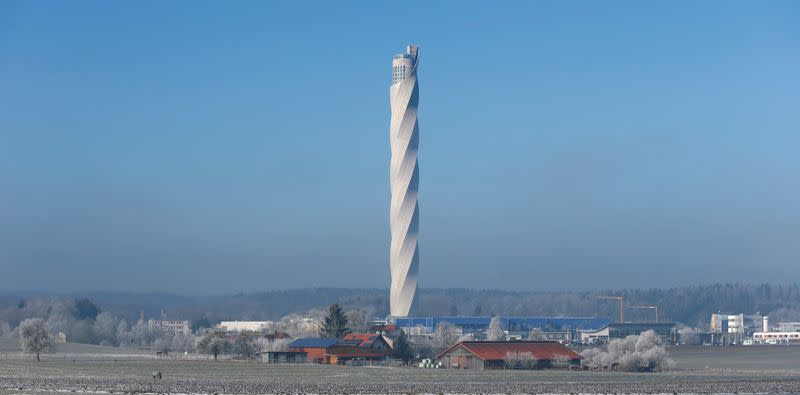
[690, 305]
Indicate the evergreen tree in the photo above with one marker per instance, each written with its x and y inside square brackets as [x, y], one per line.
[402, 348]
[335, 324]
[85, 309]
[201, 323]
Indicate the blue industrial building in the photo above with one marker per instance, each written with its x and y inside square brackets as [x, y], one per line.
[476, 324]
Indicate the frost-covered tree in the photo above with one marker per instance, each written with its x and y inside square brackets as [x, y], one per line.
[245, 345]
[537, 334]
[139, 334]
[123, 334]
[359, 319]
[521, 360]
[561, 361]
[272, 345]
[105, 328]
[495, 331]
[181, 343]
[5, 329]
[214, 344]
[444, 336]
[34, 338]
[689, 336]
[298, 326]
[60, 317]
[163, 344]
[81, 332]
[642, 353]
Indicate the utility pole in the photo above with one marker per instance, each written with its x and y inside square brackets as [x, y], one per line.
[621, 300]
[648, 307]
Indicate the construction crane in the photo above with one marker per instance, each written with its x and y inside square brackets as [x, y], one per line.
[648, 307]
[621, 300]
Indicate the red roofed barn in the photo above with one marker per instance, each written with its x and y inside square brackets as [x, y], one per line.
[497, 355]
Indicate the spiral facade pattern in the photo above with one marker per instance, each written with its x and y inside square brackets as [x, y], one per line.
[404, 180]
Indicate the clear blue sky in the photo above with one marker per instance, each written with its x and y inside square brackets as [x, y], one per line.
[238, 146]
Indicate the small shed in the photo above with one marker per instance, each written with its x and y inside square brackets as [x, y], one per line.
[285, 357]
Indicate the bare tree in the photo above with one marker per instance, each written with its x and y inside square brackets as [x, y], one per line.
[34, 338]
[511, 359]
[272, 345]
[495, 331]
[445, 335]
[521, 360]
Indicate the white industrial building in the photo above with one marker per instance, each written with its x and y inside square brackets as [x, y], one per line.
[738, 324]
[788, 327]
[239, 326]
[172, 327]
[727, 323]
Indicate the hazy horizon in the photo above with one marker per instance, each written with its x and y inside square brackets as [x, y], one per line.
[12, 292]
[243, 148]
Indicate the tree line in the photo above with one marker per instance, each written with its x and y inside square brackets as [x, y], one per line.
[691, 305]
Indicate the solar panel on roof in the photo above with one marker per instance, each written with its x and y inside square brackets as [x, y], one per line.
[349, 342]
[312, 342]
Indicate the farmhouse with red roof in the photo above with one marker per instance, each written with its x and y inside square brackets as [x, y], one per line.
[501, 354]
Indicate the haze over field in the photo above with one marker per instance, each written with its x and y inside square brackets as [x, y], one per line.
[216, 149]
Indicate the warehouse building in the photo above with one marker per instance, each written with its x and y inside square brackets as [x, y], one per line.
[787, 327]
[550, 328]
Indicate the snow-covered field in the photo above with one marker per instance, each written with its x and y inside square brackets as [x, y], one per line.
[768, 370]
